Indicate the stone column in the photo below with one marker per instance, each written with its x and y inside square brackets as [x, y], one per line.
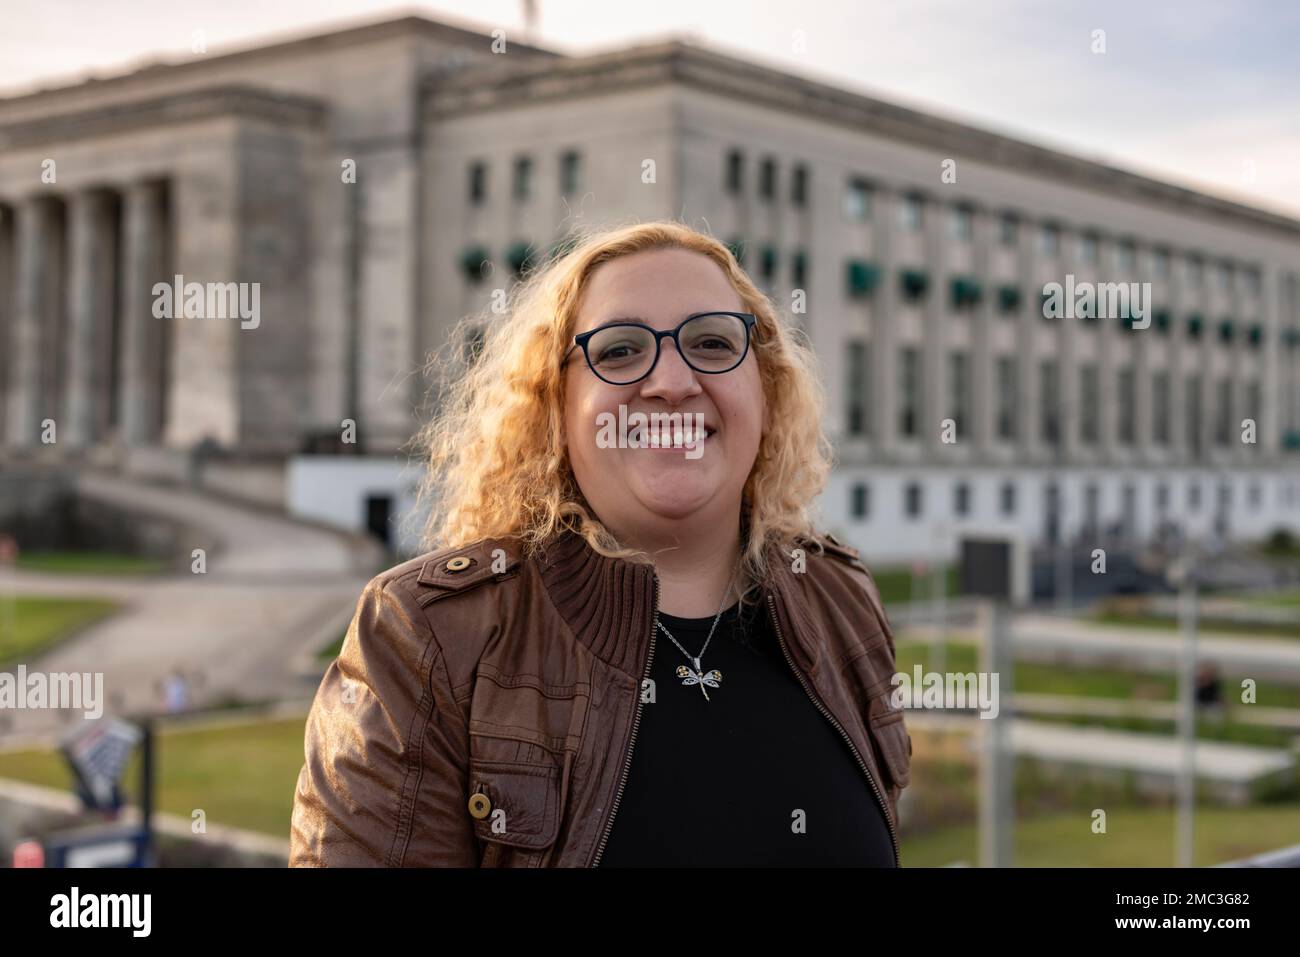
[935, 348]
[1139, 355]
[31, 275]
[1271, 418]
[142, 334]
[982, 413]
[1113, 354]
[90, 316]
[1030, 322]
[6, 307]
[884, 326]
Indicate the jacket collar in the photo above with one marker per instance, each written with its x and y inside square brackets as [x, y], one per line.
[609, 603]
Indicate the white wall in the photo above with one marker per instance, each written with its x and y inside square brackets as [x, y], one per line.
[334, 489]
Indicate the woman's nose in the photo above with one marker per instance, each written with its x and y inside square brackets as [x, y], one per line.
[671, 373]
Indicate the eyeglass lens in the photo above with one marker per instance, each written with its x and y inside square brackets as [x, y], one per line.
[713, 342]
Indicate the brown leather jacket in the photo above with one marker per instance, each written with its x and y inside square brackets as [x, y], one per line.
[472, 681]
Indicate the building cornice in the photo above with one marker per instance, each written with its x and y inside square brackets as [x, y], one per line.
[480, 89]
[398, 28]
[185, 107]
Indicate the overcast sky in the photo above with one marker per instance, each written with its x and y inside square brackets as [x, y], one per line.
[1202, 93]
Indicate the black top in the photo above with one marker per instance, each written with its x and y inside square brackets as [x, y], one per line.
[721, 782]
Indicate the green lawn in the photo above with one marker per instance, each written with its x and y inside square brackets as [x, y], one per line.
[30, 625]
[895, 584]
[90, 563]
[1285, 599]
[1135, 837]
[241, 775]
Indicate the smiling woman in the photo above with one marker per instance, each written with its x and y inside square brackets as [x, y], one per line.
[501, 700]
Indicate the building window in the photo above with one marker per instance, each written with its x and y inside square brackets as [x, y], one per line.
[857, 200]
[570, 173]
[1008, 497]
[861, 278]
[910, 212]
[1160, 407]
[1008, 397]
[523, 178]
[1050, 387]
[861, 500]
[1009, 299]
[478, 172]
[858, 379]
[909, 382]
[767, 179]
[1193, 495]
[959, 390]
[1160, 261]
[1223, 420]
[767, 263]
[1223, 275]
[1091, 510]
[799, 186]
[1128, 499]
[735, 172]
[1089, 398]
[914, 283]
[1051, 239]
[1194, 430]
[1252, 281]
[1008, 229]
[1195, 271]
[799, 269]
[1162, 498]
[1127, 406]
[1254, 495]
[1088, 244]
[961, 498]
[963, 223]
[1254, 401]
[912, 499]
[1127, 257]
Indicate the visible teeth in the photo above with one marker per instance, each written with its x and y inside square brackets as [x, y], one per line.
[643, 436]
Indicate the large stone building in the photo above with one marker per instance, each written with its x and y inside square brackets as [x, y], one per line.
[361, 179]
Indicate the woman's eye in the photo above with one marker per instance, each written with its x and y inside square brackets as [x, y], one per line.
[713, 344]
[615, 353]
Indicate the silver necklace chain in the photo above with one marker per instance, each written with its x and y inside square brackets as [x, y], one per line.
[698, 676]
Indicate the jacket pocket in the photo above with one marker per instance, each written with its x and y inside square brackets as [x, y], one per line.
[521, 804]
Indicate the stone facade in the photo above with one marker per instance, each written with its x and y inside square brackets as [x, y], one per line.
[228, 169]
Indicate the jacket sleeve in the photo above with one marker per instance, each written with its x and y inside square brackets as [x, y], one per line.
[387, 749]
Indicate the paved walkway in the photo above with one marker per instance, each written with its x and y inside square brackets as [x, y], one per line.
[1129, 750]
[274, 591]
[1067, 639]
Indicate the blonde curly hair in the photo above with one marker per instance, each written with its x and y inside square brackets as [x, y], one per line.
[497, 465]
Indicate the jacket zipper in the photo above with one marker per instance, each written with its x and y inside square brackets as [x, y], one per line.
[893, 834]
[636, 723]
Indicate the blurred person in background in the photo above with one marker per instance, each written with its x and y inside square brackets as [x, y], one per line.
[630, 649]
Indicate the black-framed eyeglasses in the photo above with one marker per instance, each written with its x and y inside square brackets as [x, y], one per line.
[621, 353]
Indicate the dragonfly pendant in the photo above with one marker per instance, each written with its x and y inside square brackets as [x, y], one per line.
[698, 677]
